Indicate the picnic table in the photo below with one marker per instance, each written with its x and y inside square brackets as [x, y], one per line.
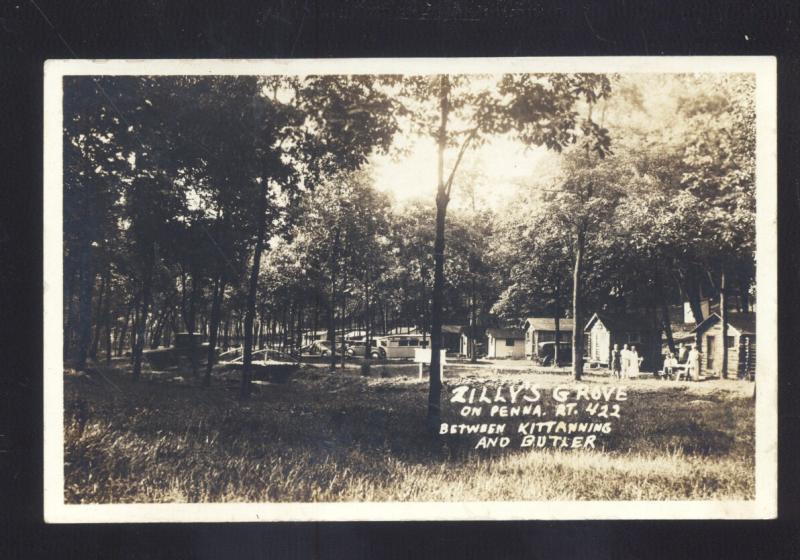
[678, 371]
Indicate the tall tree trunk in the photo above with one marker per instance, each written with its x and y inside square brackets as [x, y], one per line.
[723, 313]
[556, 352]
[219, 290]
[744, 294]
[692, 289]
[159, 324]
[473, 320]
[250, 310]
[138, 345]
[193, 326]
[286, 321]
[435, 376]
[100, 314]
[344, 314]
[71, 266]
[435, 383]
[315, 324]
[577, 307]
[124, 332]
[367, 322]
[332, 318]
[298, 337]
[666, 321]
[85, 305]
[108, 332]
[557, 314]
[173, 326]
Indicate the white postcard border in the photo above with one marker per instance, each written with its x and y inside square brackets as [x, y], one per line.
[765, 504]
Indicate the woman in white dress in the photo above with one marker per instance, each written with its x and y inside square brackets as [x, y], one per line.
[635, 361]
[694, 363]
[625, 362]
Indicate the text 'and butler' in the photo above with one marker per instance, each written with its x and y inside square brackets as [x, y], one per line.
[581, 414]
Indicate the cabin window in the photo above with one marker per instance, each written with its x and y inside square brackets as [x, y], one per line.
[730, 340]
[403, 342]
[413, 342]
[509, 342]
[547, 336]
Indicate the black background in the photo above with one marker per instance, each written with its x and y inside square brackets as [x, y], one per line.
[33, 32]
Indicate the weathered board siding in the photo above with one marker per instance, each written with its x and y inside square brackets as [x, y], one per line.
[601, 339]
[741, 351]
[599, 343]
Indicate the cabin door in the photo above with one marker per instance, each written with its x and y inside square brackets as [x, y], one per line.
[711, 350]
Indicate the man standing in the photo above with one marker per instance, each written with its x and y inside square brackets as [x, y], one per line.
[616, 364]
[625, 361]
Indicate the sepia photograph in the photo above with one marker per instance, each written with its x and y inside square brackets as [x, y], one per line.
[410, 289]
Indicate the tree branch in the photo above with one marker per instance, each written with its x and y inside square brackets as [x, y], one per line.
[449, 183]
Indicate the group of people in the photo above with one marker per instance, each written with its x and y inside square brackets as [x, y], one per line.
[688, 356]
[625, 363]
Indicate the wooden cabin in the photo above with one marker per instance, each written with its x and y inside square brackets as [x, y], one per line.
[505, 343]
[480, 340]
[604, 330]
[543, 329]
[741, 344]
[451, 338]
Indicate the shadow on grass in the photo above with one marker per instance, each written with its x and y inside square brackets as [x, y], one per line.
[162, 439]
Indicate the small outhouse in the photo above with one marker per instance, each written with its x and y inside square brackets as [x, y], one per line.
[604, 330]
[505, 343]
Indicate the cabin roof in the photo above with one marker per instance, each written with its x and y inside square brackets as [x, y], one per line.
[452, 329]
[479, 330]
[548, 323]
[506, 333]
[745, 323]
[621, 322]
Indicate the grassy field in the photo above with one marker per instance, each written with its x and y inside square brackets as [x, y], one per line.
[343, 437]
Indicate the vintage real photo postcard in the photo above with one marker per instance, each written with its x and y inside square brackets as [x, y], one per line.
[410, 289]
